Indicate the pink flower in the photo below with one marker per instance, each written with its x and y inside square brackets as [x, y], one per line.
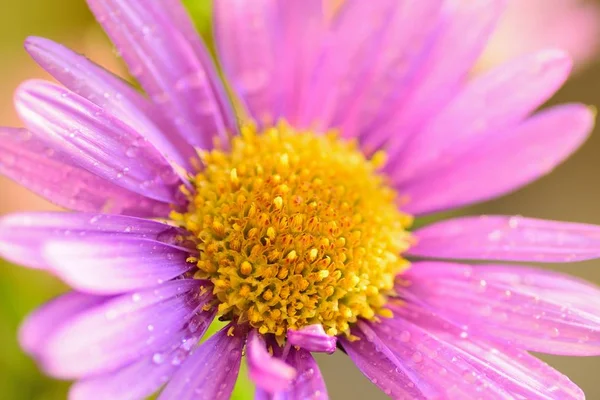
[291, 219]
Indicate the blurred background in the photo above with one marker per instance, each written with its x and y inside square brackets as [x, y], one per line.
[570, 193]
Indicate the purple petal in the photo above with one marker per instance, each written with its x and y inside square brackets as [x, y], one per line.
[489, 104]
[34, 164]
[524, 307]
[455, 368]
[401, 49]
[312, 338]
[519, 372]
[116, 264]
[270, 61]
[352, 45]
[508, 238]
[41, 323]
[160, 57]
[267, 372]
[123, 330]
[144, 377]
[309, 383]
[109, 92]
[247, 52]
[178, 14]
[211, 371]
[379, 364]
[503, 163]
[24, 235]
[460, 36]
[95, 140]
[521, 368]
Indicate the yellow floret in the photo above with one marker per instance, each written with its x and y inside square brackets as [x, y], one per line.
[295, 228]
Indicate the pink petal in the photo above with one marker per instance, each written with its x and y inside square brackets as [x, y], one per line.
[508, 238]
[531, 309]
[504, 163]
[114, 264]
[461, 34]
[451, 367]
[211, 371]
[24, 235]
[382, 367]
[41, 323]
[122, 330]
[571, 25]
[247, 51]
[271, 60]
[267, 372]
[166, 64]
[349, 48]
[96, 141]
[144, 377]
[55, 177]
[309, 383]
[110, 93]
[178, 14]
[486, 106]
[312, 338]
[405, 42]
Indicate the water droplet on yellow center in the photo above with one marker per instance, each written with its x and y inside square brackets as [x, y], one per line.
[295, 228]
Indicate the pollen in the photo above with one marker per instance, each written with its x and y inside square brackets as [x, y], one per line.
[295, 228]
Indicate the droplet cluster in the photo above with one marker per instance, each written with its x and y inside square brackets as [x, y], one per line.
[294, 229]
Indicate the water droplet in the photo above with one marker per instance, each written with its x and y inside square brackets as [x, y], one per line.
[495, 236]
[470, 377]
[132, 151]
[179, 357]
[136, 297]
[150, 328]
[195, 323]
[417, 357]
[146, 30]
[254, 80]
[158, 358]
[405, 336]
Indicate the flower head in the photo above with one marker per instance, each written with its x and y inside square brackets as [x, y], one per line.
[292, 221]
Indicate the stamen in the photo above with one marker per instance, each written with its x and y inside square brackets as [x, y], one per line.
[295, 229]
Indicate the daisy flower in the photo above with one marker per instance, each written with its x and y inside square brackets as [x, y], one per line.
[290, 216]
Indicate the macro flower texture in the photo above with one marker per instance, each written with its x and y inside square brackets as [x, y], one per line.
[288, 216]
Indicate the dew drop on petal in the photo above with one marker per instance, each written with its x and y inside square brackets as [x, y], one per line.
[158, 358]
[405, 336]
[417, 357]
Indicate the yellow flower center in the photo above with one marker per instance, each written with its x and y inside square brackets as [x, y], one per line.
[294, 229]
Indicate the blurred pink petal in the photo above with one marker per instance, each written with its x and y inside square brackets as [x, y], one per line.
[528, 25]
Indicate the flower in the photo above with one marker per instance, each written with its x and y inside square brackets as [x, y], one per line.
[572, 25]
[292, 221]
